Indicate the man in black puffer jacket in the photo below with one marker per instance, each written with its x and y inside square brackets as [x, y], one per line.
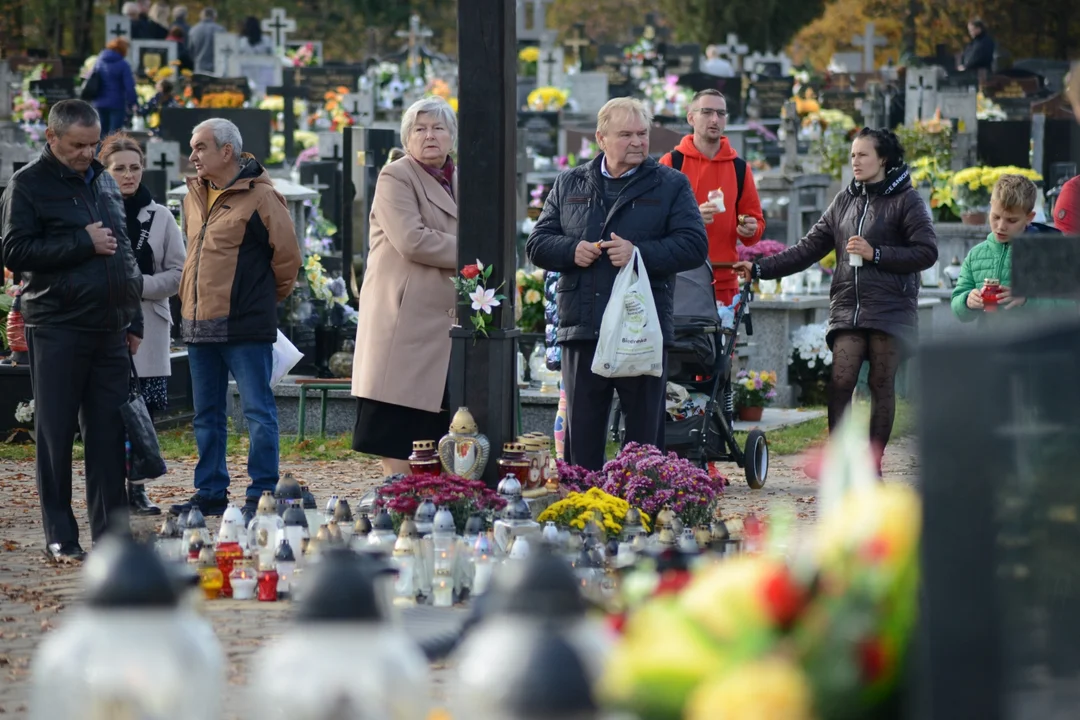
[594, 217]
[65, 232]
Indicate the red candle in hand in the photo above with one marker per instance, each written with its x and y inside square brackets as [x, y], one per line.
[991, 290]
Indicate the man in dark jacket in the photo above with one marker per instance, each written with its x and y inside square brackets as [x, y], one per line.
[592, 221]
[64, 231]
[979, 53]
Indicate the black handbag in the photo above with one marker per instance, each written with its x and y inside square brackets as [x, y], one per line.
[144, 453]
[91, 88]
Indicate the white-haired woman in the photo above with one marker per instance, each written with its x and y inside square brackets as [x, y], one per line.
[407, 300]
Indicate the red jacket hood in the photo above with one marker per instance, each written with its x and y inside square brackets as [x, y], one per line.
[689, 149]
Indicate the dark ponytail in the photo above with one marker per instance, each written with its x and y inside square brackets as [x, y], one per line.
[886, 144]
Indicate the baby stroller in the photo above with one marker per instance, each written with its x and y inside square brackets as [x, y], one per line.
[700, 360]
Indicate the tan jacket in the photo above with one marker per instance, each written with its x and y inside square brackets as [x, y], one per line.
[242, 260]
[407, 300]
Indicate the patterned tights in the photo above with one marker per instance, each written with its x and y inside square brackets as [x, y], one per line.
[850, 349]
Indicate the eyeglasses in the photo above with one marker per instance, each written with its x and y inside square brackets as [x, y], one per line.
[709, 112]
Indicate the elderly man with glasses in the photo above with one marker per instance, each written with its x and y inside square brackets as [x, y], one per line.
[711, 164]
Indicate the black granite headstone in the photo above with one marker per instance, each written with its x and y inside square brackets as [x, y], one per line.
[208, 84]
[1005, 142]
[177, 124]
[770, 95]
[157, 183]
[846, 101]
[541, 131]
[53, 90]
[321, 80]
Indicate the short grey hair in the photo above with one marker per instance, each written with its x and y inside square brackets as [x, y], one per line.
[621, 106]
[225, 133]
[66, 113]
[433, 105]
[209, 14]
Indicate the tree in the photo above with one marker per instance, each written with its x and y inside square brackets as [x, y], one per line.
[764, 25]
[604, 20]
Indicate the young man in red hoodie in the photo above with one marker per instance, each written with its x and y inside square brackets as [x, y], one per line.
[710, 163]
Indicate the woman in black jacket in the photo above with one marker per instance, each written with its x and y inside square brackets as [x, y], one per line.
[883, 237]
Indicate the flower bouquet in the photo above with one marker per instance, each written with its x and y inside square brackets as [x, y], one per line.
[754, 389]
[972, 186]
[578, 508]
[303, 56]
[547, 99]
[530, 286]
[462, 497]
[470, 284]
[649, 480]
[822, 635]
[810, 364]
[528, 60]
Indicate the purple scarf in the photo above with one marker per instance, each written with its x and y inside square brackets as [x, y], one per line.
[445, 174]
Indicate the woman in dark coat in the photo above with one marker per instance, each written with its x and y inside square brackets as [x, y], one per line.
[117, 98]
[883, 237]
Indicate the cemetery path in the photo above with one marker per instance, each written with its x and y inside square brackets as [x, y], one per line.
[34, 596]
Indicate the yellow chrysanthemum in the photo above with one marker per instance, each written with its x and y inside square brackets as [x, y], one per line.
[529, 54]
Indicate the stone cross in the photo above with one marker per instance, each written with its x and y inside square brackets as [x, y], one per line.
[576, 41]
[164, 155]
[278, 25]
[549, 71]
[330, 146]
[117, 26]
[360, 105]
[415, 35]
[525, 31]
[868, 41]
[734, 50]
[921, 98]
[226, 45]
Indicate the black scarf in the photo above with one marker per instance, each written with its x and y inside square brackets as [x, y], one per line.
[139, 233]
[897, 179]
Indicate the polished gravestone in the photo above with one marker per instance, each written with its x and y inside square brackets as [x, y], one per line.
[254, 125]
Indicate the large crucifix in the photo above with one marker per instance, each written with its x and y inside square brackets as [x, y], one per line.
[278, 26]
[576, 41]
[869, 41]
[415, 35]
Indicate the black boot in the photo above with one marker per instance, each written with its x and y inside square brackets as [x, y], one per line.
[140, 502]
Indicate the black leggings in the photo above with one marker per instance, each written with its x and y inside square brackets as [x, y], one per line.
[850, 349]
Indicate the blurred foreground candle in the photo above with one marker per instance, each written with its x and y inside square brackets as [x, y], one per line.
[341, 611]
[170, 540]
[131, 651]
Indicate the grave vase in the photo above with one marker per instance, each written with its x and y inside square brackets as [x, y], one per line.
[973, 217]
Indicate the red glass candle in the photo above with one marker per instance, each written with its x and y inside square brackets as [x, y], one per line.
[425, 458]
[990, 293]
[226, 555]
[515, 461]
[268, 582]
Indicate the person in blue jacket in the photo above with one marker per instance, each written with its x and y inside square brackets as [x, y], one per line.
[116, 99]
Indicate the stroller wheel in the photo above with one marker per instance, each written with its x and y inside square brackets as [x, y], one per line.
[757, 459]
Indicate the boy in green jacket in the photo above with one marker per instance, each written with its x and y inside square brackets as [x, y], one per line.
[1012, 209]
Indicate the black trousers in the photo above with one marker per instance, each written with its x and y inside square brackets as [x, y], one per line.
[79, 377]
[588, 405]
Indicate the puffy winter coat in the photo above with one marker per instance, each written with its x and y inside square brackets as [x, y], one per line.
[883, 294]
[117, 82]
[656, 211]
[993, 259]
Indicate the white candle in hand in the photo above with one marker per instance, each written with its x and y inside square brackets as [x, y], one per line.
[855, 260]
[716, 197]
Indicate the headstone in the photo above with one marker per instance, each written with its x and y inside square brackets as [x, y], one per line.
[682, 59]
[848, 102]
[869, 42]
[262, 71]
[415, 36]
[1053, 71]
[254, 125]
[290, 90]
[1013, 94]
[961, 105]
[360, 105]
[318, 81]
[157, 183]
[589, 90]
[610, 61]
[117, 26]
[549, 70]
[146, 57]
[768, 64]
[768, 96]
[367, 149]
[324, 177]
[845, 62]
[278, 26]
[53, 90]
[531, 19]
[734, 51]
[164, 155]
[1005, 142]
[226, 50]
[921, 94]
[209, 84]
[316, 49]
[330, 146]
[541, 131]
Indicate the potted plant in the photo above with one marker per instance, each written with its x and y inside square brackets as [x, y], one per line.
[810, 364]
[753, 391]
[462, 497]
[578, 508]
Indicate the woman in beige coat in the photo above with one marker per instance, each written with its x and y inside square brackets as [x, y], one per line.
[159, 251]
[407, 300]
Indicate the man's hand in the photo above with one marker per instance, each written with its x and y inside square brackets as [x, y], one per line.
[747, 227]
[974, 299]
[743, 269]
[856, 245]
[620, 250]
[1007, 301]
[134, 341]
[102, 237]
[707, 211]
[586, 253]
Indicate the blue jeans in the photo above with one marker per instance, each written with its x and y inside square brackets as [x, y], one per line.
[111, 120]
[250, 365]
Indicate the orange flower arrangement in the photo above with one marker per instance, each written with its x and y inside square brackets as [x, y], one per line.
[221, 100]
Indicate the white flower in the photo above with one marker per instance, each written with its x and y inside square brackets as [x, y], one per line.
[479, 265]
[483, 299]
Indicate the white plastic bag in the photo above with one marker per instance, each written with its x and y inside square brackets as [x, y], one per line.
[285, 358]
[631, 343]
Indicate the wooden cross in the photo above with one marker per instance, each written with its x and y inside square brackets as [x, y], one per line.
[279, 26]
[868, 41]
[415, 34]
[289, 89]
[577, 41]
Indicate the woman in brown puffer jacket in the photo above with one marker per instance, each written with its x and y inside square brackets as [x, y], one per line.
[883, 237]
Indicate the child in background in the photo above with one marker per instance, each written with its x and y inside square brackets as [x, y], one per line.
[984, 284]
